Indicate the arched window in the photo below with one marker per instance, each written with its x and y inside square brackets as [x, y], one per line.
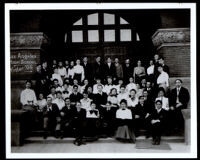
[102, 28]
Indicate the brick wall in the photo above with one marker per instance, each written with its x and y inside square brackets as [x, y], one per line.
[178, 59]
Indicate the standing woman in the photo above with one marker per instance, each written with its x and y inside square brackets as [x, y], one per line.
[79, 71]
[124, 122]
[139, 72]
[163, 79]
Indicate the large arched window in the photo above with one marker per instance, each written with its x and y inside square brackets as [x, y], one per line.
[102, 28]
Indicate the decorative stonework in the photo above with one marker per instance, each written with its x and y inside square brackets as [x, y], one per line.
[28, 40]
[171, 35]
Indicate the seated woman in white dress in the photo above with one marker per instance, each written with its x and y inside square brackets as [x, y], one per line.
[85, 101]
[131, 85]
[124, 122]
[113, 97]
[98, 82]
[65, 91]
[120, 82]
[132, 100]
[165, 101]
[122, 94]
[41, 102]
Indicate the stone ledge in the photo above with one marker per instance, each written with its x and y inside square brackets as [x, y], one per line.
[171, 35]
[28, 40]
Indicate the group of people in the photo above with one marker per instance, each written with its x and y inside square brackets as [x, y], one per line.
[112, 98]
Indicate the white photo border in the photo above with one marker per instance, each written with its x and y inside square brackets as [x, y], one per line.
[100, 6]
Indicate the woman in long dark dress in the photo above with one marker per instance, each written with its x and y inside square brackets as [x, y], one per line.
[124, 120]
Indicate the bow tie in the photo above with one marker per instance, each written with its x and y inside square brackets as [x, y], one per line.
[93, 111]
[123, 109]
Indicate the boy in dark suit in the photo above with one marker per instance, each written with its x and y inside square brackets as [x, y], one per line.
[158, 121]
[51, 117]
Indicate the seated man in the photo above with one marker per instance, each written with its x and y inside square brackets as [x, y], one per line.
[51, 117]
[59, 101]
[179, 98]
[101, 97]
[158, 121]
[108, 119]
[75, 96]
[67, 113]
[79, 124]
[141, 114]
[29, 104]
[93, 122]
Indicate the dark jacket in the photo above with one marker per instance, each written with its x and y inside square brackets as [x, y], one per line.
[98, 70]
[162, 116]
[51, 113]
[100, 99]
[87, 71]
[75, 98]
[183, 96]
[109, 71]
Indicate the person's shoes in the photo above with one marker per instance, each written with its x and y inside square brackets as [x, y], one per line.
[77, 143]
[158, 141]
[57, 134]
[154, 142]
[45, 135]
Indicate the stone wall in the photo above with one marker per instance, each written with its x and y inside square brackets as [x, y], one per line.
[26, 51]
[174, 45]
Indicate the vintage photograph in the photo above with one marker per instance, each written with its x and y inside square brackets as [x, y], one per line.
[100, 79]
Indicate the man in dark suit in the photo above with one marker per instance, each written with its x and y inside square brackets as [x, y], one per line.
[165, 67]
[100, 98]
[158, 122]
[75, 96]
[141, 113]
[179, 98]
[79, 124]
[66, 117]
[127, 71]
[51, 117]
[98, 69]
[87, 69]
[109, 69]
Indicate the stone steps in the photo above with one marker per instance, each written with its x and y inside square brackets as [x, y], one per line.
[53, 140]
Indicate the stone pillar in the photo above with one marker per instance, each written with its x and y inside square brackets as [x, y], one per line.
[174, 45]
[27, 50]
[186, 116]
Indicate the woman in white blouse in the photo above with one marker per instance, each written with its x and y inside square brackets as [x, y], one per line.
[165, 101]
[113, 97]
[41, 102]
[79, 71]
[150, 71]
[124, 122]
[163, 79]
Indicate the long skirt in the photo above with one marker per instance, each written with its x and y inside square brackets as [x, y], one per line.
[125, 133]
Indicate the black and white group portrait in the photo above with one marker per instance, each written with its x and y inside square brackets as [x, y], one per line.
[101, 80]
